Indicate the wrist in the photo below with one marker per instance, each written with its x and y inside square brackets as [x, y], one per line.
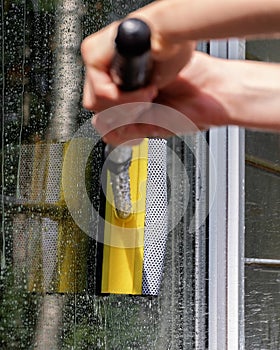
[167, 34]
[252, 94]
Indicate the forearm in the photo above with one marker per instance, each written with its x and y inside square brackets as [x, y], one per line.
[252, 94]
[178, 20]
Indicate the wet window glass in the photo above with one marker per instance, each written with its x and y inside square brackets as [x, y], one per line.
[50, 293]
[262, 217]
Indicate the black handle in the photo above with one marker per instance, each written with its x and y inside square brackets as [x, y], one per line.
[131, 67]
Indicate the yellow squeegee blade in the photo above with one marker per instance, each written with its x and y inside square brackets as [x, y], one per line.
[123, 250]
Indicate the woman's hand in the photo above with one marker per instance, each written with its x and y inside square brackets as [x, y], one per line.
[207, 92]
[196, 101]
[100, 92]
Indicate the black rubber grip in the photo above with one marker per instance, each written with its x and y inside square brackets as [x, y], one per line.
[131, 67]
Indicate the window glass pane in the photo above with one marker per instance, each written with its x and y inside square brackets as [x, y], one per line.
[262, 223]
[48, 264]
[263, 146]
[262, 308]
[263, 214]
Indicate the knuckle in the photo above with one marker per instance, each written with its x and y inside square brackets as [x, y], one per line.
[86, 49]
[89, 103]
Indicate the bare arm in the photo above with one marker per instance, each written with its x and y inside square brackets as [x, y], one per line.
[223, 92]
[209, 92]
[180, 20]
[253, 94]
[216, 92]
[175, 24]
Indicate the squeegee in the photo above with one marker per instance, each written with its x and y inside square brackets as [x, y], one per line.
[134, 231]
[130, 69]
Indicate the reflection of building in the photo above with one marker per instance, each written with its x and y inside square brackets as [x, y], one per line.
[262, 223]
[207, 291]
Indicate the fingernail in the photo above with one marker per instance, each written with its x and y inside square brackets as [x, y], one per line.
[121, 131]
[153, 93]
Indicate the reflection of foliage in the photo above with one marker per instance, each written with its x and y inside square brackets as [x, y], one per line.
[96, 15]
[17, 313]
[109, 322]
[10, 159]
[90, 322]
[28, 51]
[27, 62]
[121, 8]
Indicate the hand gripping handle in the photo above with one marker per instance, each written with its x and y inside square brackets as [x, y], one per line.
[131, 66]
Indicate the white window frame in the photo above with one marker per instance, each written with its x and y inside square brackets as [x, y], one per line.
[226, 225]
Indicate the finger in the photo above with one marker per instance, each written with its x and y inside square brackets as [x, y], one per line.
[102, 93]
[89, 100]
[119, 116]
[101, 96]
[98, 49]
[134, 134]
[137, 120]
[166, 68]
